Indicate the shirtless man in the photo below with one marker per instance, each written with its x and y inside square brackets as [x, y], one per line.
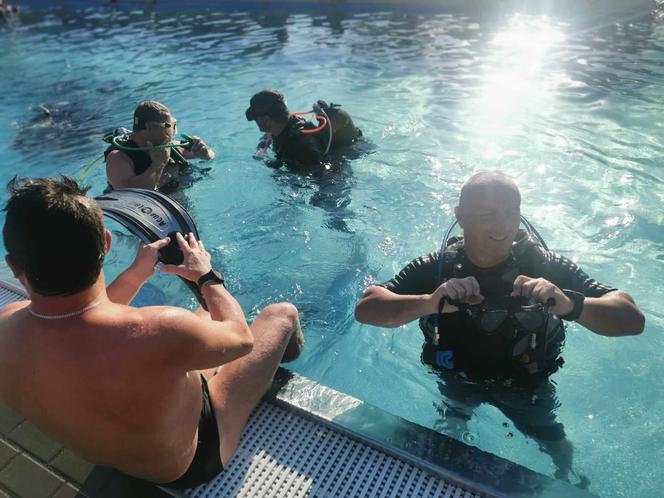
[154, 125]
[131, 388]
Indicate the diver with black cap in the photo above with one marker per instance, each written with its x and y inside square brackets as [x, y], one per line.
[491, 305]
[148, 157]
[297, 142]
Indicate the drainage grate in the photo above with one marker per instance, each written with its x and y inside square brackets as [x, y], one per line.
[284, 454]
[10, 294]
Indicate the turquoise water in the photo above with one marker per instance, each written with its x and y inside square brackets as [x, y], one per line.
[571, 105]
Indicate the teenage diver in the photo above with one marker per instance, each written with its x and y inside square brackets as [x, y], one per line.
[299, 143]
[147, 157]
[491, 305]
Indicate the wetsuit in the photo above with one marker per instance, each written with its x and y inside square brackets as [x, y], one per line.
[476, 367]
[142, 161]
[304, 152]
[206, 463]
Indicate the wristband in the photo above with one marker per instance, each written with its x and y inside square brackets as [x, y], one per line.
[578, 300]
[210, 278]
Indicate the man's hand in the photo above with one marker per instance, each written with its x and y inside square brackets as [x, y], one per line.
[543, 291]
[465, 290]
[200, 149]
[146, 259]
[159, 156]
[124, 288]
[197, 261]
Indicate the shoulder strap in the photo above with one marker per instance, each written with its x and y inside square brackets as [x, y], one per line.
[449, 259]
[530, 256]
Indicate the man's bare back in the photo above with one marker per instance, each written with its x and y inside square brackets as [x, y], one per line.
[109, 385]
[131, 388]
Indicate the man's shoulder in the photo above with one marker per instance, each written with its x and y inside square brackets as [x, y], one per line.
[10, 309]
[158, 316]
[427, 259]
[117, 155]
[427, 262]
[418, 276]
[299, 130]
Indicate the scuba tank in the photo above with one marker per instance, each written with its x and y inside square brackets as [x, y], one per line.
[121, 132]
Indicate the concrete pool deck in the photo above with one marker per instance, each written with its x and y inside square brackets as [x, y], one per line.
[34, 466]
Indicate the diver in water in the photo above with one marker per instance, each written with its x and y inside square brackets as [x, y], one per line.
[298, 143]
[492, 306]
[143, 158]
[7, 11]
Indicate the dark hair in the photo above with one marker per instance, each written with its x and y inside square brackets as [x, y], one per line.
[149, 110]
[270, 103]
[54, 233]
[280, 113]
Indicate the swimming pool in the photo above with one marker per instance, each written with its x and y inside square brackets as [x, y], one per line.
[571, 104]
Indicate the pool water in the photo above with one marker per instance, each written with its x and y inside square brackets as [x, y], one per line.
[569, 103]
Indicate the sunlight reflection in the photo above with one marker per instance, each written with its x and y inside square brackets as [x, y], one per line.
[514, 84]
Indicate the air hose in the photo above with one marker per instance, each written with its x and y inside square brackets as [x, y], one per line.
[116, 142]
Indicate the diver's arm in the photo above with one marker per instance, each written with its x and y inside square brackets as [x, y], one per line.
[384, 308]
[227, 335]
[199, 150]
[606, 310]
[125, 287]
[413, 293]
[120, 171]
[613, 314]
[193, 342]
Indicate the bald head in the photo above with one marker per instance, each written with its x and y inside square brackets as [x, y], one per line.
[488, 183]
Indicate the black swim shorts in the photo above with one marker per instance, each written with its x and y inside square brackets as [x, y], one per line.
[207, 461]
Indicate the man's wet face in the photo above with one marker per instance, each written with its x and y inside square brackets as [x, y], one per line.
[160, 134]
[490, 218]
